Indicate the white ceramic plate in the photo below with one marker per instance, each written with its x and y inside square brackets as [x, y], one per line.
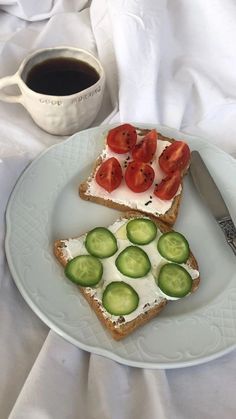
[45, 206]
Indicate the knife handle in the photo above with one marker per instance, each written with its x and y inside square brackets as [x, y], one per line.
[229, 230]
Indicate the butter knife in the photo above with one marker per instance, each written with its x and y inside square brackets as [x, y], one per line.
[211, 195]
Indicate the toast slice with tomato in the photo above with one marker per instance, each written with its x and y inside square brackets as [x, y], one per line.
[139, 169]
[129, 271]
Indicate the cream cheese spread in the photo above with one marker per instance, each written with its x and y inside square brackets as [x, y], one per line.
[143, 201]
[146, 287]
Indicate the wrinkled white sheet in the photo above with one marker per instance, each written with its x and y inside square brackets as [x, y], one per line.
[167, 62]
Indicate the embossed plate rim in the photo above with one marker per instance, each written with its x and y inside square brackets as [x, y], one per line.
[52, 323]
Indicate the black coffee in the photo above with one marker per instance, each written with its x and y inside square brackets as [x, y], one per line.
[61, 76]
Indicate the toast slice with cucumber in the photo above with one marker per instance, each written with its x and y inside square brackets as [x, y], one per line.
[139, 169]
[129, 271]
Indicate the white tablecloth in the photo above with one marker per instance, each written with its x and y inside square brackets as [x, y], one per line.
[167, 62]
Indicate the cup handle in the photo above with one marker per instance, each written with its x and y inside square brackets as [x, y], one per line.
[9, 81]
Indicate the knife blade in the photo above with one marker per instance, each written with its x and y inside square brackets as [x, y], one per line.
[211, 195]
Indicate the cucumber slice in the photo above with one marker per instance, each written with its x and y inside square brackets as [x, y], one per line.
[100, 242]
[141, 231]
[174, 247]
[84, 270]
[120, 298]
[133, 262]
[121, 233]
[174, 280]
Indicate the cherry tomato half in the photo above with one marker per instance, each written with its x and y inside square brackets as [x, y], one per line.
[122, 139]
[139, 176]
[168, 187]
[146, 148]
[175, 157]
[109, 174]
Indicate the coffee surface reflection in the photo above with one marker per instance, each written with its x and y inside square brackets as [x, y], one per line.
[61, 76]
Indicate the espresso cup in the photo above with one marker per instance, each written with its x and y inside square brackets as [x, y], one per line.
[57, 114]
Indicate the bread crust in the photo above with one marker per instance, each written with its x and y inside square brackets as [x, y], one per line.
[169, 217]
[121, 330]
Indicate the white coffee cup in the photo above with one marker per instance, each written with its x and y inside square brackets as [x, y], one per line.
[59, 115]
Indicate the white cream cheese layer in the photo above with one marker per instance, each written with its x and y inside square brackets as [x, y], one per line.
[144, 201]
[146, 287]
